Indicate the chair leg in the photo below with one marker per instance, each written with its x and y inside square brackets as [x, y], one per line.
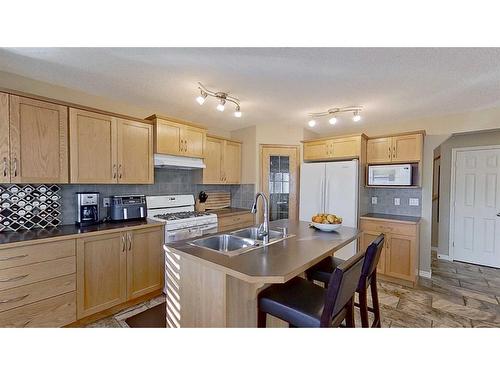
[376, 306]
[261, 319]
[349, 319]
[363, 308]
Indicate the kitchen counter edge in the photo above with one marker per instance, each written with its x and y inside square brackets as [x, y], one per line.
[389, 217]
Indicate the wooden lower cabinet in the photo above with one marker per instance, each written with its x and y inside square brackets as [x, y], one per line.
[400, 254]
[115, 268]
[237, 221]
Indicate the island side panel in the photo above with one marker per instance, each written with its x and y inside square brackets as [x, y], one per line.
[196, 294]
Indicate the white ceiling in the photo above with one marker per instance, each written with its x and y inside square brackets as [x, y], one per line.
[275, 85]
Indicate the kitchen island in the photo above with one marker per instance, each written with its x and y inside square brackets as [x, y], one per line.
[206, 288]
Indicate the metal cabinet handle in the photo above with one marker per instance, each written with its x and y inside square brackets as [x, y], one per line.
[129, 236]
[119, 171]
[13, 258]
[15, 167]
[114, 170]
[389, 152]
[185, 146]
[17, 278]
[123, 243]
[16, 299]
[394, 152]
[5, 167]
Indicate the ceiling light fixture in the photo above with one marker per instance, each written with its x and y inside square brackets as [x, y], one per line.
[333, 112]
[223, 98]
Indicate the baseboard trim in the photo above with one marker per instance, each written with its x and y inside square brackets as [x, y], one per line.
[426, 274]
[444, 257]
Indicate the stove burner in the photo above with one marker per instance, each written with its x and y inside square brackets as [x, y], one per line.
[181, 215]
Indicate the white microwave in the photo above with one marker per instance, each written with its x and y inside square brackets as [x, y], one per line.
[390, 175]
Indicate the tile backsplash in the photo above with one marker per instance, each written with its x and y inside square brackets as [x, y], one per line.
[385, 201]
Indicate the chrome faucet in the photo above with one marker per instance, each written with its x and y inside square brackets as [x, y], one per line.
[264, 227]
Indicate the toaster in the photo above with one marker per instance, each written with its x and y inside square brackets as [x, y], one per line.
[128, 207]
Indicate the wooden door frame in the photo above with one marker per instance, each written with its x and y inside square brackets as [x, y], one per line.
[454, 151]
[297, 170]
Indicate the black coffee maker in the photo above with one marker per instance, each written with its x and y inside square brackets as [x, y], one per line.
[87, 209]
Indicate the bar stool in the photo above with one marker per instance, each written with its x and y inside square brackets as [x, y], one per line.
[323, 270]
[302, 303]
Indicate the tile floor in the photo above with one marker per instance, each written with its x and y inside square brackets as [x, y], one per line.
[458, 295]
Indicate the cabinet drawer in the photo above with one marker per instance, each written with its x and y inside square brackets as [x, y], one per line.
[380, 226]
[23, 255]
[235, 221]
[18, 276]
[30, 293]
[52, 312]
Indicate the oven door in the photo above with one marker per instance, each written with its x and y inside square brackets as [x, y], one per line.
[186, 233]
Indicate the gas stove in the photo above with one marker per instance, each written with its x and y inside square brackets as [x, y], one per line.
[181, 220]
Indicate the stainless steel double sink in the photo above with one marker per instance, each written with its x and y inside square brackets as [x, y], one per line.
[240, 241]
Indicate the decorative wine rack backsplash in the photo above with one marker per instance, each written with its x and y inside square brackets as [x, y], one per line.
[29, 207]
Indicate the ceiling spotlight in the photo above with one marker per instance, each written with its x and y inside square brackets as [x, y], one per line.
[311, 123]
[220, 106]
[333, 120]
[201, 98]
[356, 117]
[237, 113]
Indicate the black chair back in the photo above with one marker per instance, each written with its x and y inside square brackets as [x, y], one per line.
[341, 287]
[372, 257]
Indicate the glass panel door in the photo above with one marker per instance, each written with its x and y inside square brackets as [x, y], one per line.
[279, 187]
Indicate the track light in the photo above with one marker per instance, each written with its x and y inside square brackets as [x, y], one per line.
[333, 120]
[237, 113]
[311, 123]
[220, 106]
[201, 98]
[356, 117]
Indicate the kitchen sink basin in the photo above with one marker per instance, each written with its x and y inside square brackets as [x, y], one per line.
[226, 243]
[253, 233]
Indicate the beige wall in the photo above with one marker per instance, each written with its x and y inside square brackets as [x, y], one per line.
[487, 138]
[248, 153]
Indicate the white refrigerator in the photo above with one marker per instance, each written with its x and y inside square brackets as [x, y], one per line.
[331, 187]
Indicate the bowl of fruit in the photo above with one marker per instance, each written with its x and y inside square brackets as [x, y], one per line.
[326, 222]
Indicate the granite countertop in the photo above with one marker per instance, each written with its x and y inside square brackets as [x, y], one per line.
[402, 218]
[278, 262]
[7, 238]
[229, 211]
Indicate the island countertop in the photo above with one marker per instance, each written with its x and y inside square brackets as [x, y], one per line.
[278, 262]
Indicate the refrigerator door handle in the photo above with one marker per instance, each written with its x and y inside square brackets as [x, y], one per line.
[321, 195]
[325, 209]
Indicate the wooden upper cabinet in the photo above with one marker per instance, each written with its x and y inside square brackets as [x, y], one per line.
[212, 174]
[346, 147]
[176, 138]
[93, 151]
[232, 162]
[135, 152]
[101, 273]
[317, 150]
[223, 161]
[379, 150]
[4, 139]
[145, 261]
[335, 148]
[38, 141]
[406, 148]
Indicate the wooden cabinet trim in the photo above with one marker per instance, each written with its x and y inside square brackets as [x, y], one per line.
[5, 162]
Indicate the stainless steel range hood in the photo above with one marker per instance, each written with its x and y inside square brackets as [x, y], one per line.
[177, 162]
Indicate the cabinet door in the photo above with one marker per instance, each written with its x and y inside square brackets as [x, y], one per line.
[135, 152]
[193, 141]
[318, 150]
[93, 147]
[366, 239]
[38, 141]
[407, 148]
[4, 139]
[167, 137]
[399, 258]
[346, 147]
[101, 267]
[379, 150]
[145, 261]
[212, 174]
[232, 162]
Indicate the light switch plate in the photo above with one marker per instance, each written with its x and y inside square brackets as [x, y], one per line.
[374, 200]
[106, 202]
[397, 201]
[413, 202]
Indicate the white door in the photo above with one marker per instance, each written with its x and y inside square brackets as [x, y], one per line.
[312, 190]
[476, 237]
[341, 197]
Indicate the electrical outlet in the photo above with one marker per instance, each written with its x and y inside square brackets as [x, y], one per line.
[374, 200]
[106, 202]
[397, 201]
[413, 202]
